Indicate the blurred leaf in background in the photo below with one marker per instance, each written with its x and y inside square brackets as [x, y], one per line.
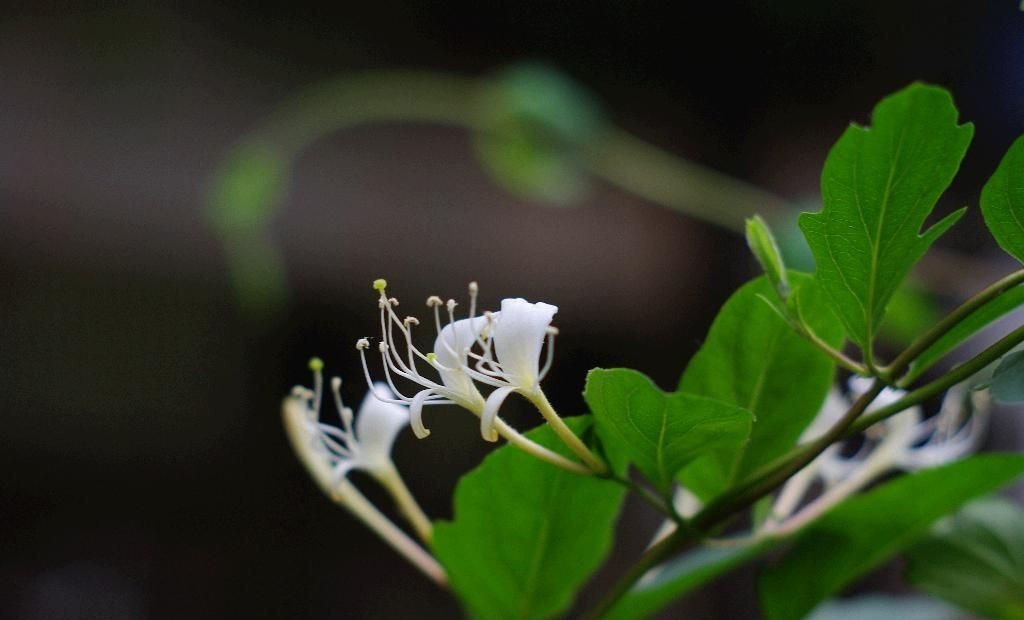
[246, 190]
[975, 559]
[534, 130]
[883, 607]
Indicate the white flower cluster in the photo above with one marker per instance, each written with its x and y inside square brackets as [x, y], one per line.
[500, 350]
[497, 350]
[361, 441]
[907, 441]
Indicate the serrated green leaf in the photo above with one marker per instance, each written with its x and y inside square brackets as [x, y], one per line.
[526, 534]
[975, 322]
[658, 432]
[975, 560]
[766, 250]
[1002, 201]
[865, 531]
[753, 359]
[682, 576]
[1007, 384]
[879, 185]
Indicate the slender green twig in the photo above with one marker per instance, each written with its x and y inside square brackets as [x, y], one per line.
[958, 374]
[749, 492]
[651, 558]
[662, 178]
[647, 496]
[730, 502]
[954, 318]
[837, 356]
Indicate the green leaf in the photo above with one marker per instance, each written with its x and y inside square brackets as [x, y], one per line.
[878, 186]
[658, 432]
[753, 359]
[534, 130]
[526, 535]
[865, 531]
[975, 322]
[762, 244]
[912, 311]
[975, 560]
[682, 576]
[1007, 384]
[1002, 201]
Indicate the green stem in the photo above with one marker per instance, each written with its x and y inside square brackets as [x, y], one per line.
[569, 438]
[656, 502]
[662, 178]
[391, 480]
[753, 490]
[651, 558]
[838, 356]
[958, 374]
[950, 321]
[533, 448]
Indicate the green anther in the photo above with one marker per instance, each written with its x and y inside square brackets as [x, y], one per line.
[316, 364]
[431, 357]
[380, 284]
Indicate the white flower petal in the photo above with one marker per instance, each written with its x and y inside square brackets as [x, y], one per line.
[416, 414]
[519, 337]
[301, 433]
[494, 401]
[377, 424]
[450, 348]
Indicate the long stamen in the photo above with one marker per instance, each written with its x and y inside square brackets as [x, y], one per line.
[552, 332]
[453, 346]
[485, 344]
[333, 441]
[343, 412]
[494, 371]
[362, 345]
[388, 368]
[435, 302]
[484, 378]
[317, 366]
[474, 290]
[390, 339]
[409, 322]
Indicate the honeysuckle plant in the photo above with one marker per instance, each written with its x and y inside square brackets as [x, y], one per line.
[784, 433]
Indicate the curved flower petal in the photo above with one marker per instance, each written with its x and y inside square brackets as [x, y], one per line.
[450, 348]
[494, 401]
[302, 434]
[518, 338]
[416, 414]
[377, 424]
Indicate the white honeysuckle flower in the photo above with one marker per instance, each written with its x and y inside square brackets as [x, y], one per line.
[518, 339]
[906, 441]
[362, 441]
[501, 350]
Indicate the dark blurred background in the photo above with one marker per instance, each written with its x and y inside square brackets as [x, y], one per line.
[144, 470]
